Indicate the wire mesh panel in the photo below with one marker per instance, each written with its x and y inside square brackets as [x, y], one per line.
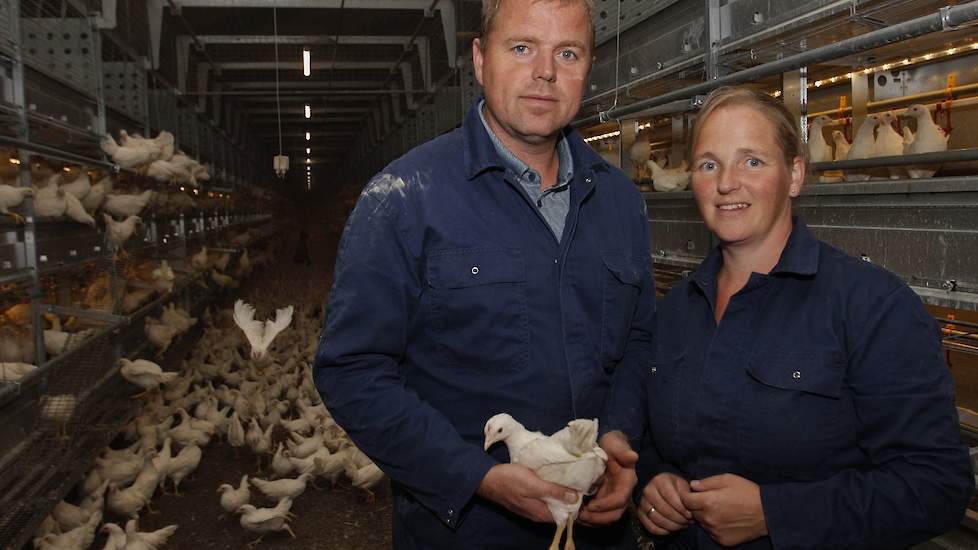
[163, 111]
[632, 13]
[61, 47]
[7, 26]
[448, 110]
[470, 86]
[125, 88]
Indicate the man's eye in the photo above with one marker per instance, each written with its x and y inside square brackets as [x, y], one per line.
[521, 49]
[568, 55]
[754, 162]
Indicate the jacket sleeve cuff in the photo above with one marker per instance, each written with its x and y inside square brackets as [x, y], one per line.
[451, 509]
[771, 499]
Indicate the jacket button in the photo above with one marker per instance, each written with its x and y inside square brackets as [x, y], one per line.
[587, 180]
[796, 375]
[652, 370]
[451, 512]
[475, 270]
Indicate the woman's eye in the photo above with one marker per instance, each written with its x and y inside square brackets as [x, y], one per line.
[708, 165]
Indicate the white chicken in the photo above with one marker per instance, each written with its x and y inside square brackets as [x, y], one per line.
[183, 465]
[163, 277]
[640, 152]
[11, 197]
[126, 502]
[669, 179]
[570, 457]
[79, 187]
[862, 147]
[127, 205]
[231, 498]
[79, 538]
[12, 372]
[96, 195]
[49, 200]
[819, 149]
[151, 540]
[59, 409]
[145, 374]
[281, 488]
[841, 145]
[159, 334]
[116, 537]
[364, 477]
[889, 144]
[119, 232]
[930, 138]
[266, 520]
[260, 334]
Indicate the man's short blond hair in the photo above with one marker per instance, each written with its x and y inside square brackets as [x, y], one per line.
[491, 7]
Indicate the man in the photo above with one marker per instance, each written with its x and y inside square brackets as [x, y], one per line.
[502, 267]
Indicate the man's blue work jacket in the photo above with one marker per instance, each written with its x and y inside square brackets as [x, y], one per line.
[824, 383]
[454, 301]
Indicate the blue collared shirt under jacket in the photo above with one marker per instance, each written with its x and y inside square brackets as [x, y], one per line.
[453, 301]
[825, 384]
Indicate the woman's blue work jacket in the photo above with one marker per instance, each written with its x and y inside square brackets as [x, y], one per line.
[825, 383]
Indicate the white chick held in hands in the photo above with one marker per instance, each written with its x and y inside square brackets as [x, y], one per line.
[570, 457]
[260, 333]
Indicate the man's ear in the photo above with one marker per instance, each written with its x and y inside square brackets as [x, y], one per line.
[477, 59]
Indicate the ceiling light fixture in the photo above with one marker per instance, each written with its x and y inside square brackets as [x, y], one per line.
[308, 111]
[306, 61]
[308, 136]
[308, 150]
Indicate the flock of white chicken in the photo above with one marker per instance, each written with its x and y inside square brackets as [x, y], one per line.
[876, 137]
[263, 401]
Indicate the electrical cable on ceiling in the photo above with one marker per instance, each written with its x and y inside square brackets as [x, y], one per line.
[278, 100]
[603, 115]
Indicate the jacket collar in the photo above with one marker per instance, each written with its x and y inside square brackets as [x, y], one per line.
[479, 154]
[799, 257]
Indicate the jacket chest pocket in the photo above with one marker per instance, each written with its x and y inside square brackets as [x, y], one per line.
[666, 397]
[795, 414]
[478, 314]
[622, 283]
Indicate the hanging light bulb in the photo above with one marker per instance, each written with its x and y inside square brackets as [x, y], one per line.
[308, 137]
[306, 62]
[308, 111]
[308, 150]
[308, 160]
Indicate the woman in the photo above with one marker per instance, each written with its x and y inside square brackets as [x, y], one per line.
[799, 397]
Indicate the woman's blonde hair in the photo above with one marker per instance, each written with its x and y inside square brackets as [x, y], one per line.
[786, 127]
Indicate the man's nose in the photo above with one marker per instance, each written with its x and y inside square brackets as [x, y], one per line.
[544, 68]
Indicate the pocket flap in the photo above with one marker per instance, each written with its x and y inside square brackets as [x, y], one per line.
[475, 266]
[820, 373]
[626, 268]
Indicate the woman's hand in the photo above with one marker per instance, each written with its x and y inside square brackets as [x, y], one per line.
[728, 507]
[661, 509]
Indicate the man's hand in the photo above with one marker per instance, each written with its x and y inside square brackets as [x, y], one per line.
[728, 507]
[521, 491]
[661, 509]
[617, 483]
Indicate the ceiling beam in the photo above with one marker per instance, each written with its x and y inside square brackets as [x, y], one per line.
[316, 66]
[302, 40]
[299, 110]
[336, 4]
[300, 84]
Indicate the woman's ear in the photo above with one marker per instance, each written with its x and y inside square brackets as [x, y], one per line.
[798, 169]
